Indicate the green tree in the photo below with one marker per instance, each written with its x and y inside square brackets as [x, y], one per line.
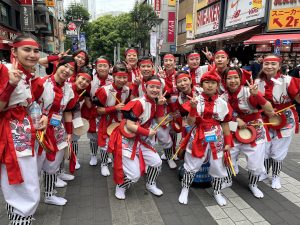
[144, 18]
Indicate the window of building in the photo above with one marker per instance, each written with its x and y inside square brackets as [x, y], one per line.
[4, 14]
[181, 26]
[18, 21]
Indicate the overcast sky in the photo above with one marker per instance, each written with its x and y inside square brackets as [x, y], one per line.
[108, 5]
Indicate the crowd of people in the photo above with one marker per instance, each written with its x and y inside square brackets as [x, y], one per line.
[218, 110]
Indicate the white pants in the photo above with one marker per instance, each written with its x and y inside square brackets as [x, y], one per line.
[50, 167]
[193, 164]
[23, 197]
[277, 148]
[254, 156]
[131, 168]
[164, 137]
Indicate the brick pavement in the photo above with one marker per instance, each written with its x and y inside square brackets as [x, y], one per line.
[91, 200]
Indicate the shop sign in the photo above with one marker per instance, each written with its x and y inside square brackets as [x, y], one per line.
[25, 2]
[263, 48]
[296, 47]
[208, 19]
[157, 5]
[50, 3]
[171, 26]
[6, 34]
[27, 13]
[203, 3]
[285, 48]
[60, 9]
[284, 19]
[172, 3]
[189, 22]
[282, 4]
[244, 11]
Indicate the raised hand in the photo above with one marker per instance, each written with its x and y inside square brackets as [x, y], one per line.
[14, 74]
[193, 101]
[253, 87]
[161, 72]
[207, 54]
[152, 132]
[120, 106]
[161, 99]
[63, 53]
[129, 68]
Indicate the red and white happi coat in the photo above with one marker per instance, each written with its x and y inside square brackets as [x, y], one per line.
[197, 73]
[245, 106]
[105, 95]
[211, 112]
[16, 130]
[281, 93]
[91, 114]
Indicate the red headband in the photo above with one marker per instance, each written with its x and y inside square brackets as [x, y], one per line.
[182, 75]
[232, 72]
[272, 59]
[102, 61]
[85, 75]
[22, 43]
[120, 74]
[82, 54]
[169, 56]
[131, 51]
[155, 82]
[146, 61]
[194, 55]
[222, 52]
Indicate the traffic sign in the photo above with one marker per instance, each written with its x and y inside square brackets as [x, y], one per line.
[277, 42]
[286, 42]
[72, 26]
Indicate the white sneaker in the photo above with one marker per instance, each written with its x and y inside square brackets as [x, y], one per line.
[60, 183]
[93, 161]
[226, 185]
[255, 191]
[163, 157]
[154, 189]
[183, 197]
[54, 200]
[220, 199]
[77, 166]
[109, 160]
[276, 182]
[65, 176]
[263, 177]
[172, 164]
[120, 193]
[105, 171]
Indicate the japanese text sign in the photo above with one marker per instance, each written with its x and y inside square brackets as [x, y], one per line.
[171, 26]
[284, 19]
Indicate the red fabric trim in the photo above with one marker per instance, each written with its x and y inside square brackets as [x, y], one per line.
[120, 74]
[193, 55]
[193, 112]
[22, 43]
[160, 111]
[85, 75]
[182, 75]
[154, 82]
[221, 52]
[6, 93]
[102, 61]
[52, 58]
[110, 109]
[69, 127]
[143, 131]
[272, 59]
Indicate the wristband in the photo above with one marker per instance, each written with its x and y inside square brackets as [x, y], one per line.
[110, 109]
[5, 95]
[143, 131]
[160, 110]
[193, 112]
[260, 99]
[228, 140]
[69, 127]
[52, 58]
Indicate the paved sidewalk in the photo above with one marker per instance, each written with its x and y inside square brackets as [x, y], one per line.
[91, 200]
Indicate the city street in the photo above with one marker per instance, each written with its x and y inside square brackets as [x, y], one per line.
[91, 200]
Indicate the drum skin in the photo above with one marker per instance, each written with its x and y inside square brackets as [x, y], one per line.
[242, 138]
[111, 128]
[279, 119]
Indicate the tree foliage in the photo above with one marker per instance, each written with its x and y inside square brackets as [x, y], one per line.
[77, 11]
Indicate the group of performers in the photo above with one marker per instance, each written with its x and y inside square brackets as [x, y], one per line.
[129, 108]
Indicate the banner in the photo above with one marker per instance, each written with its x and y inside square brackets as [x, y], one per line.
[171, 26]
[153, 42]
[60, 9]
[189, 21]
[208, 19]
[82, 41]
[243, 11]
[157, 5]
[172, 3]
[27, 15]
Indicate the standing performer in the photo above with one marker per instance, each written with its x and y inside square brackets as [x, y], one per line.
[196, 71]
[55, 96]
[131, 60]
[280, 90]
[246, 102]
[112, 99]
[209, 115]
[132, 142]
[89, 112]
[19, 176]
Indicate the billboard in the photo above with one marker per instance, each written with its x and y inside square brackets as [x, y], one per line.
[208, 19]
[27, 15]
[171, 26]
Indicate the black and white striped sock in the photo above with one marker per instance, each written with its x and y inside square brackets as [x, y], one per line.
[15, 219]
[75, 146]
[93, 147]
[217, 184]
[267, 164]
[126, 183]
[276, 167]
[253, 179]
[104, 157]
[187, 179]
[168, 153]
[228, 179]
[152, 174]
[49, 183]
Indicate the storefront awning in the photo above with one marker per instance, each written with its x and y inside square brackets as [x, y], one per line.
[270, 38]
[223, 36]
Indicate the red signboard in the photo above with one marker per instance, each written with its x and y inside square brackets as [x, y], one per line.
[71, 26]
[25, 2]
[171, 27]
[157, 5]
[264, 48]
[296, 47]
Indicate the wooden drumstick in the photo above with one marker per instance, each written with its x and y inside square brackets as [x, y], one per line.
[118, 101]
[281, 110]
[255, 124]
[231, 166]
[42, 136]
[176, 153]
[161, 122]
[82, 93]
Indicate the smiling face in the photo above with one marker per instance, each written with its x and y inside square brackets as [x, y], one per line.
[82, 82]
[193, 62]
[64, 72]
[132, 59]
[120, 81]
[27, 55]
[102, 69]
[270, 68]
[184, 85]
[169, 64]
[146, 70]
[80, 59]
[153, 90]
[233, 82]
[210, 87]
[221, 61]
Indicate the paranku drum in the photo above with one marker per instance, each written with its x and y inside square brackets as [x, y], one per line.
[111, 128]
[246, 135]
[83, 129]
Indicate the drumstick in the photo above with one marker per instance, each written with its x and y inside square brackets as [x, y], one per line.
[255, 124]
[42, 136]
[176, 153]
[281, 110]
[166, 117]
[115, 97]
[231, 166]
[82, 93]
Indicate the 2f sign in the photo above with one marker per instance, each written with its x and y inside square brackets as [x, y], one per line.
[284, 19]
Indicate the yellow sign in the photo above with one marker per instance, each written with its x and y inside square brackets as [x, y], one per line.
[201, 4]
[172, 3]
[284, 19]
[50, 3]
[189, 22]
[257, 4]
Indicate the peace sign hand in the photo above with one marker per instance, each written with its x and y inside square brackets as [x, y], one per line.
[161, 72]
[14, 74]
[193, 101]
[161, 99]
[207, 54]
[63, 53]
[253, 87]
[129, 68]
